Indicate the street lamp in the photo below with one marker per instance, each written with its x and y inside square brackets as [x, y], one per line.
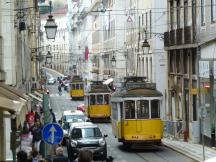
[145, 45]
[50, 26]
[113, 61]
[49, 58]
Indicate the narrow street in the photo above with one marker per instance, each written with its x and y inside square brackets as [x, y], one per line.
[115, 149]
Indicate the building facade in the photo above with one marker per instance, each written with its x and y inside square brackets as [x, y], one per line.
[17, 29]
[59, 48]
[180, 42]
[206, 29]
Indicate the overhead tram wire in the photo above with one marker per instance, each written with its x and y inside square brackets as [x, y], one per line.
[147, 9]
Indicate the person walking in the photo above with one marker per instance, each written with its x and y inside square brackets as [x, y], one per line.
[59, 157]
[53, 116]
[37, 134]
[22, 156]
[59, 90]
[85, 155]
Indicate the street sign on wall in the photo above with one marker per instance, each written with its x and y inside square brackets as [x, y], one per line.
[52, 133]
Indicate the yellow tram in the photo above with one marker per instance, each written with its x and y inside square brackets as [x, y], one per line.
[136, 112]
[77, 88]
[97, 101]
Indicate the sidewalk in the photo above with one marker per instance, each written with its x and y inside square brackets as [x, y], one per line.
[194, 151]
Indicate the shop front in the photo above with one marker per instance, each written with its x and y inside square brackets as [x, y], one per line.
[14, 105]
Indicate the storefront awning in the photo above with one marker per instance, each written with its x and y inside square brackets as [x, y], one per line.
[35, 97]
[13, 101]
[38, 94]
[108, 81]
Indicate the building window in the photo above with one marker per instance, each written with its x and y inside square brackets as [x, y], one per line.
[185, 13]
[178, 61]
[178, 13]
[213, 10]
[171, 15]
[202, 12]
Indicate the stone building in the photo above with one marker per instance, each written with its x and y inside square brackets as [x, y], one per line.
[17, 29]
[180, 43]
[206, 30]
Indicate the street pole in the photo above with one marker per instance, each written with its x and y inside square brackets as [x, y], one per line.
[212, 117]
[46, 114]
[201, 108]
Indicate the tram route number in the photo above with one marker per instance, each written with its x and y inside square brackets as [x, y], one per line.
[142, 137]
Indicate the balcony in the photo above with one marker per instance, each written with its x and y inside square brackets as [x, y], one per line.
[179, 37]
[166, 39]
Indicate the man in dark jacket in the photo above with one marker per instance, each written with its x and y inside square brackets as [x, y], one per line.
[60, 156]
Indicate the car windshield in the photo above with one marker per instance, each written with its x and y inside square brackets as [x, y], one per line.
[86, 133]
[75, 118]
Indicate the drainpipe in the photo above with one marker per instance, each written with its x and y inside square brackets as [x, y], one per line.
[212, 117]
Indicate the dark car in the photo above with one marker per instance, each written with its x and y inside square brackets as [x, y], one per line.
[86, 135]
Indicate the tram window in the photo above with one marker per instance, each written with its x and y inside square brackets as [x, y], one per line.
[99, 99]
[130, 109]
[73, 86]
[81, 86]
[77, 86]
[143, 109]
[155, 109]
[114, 111]
[106, 99]
[92, 99]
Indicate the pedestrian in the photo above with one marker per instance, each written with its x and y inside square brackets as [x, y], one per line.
[59, 157]
[53, 116]
[85, 155]
[35, 156]
[37, 135]
[22, 156]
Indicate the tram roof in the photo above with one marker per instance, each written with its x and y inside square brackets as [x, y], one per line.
[76, 78]
[98, 87]
[137, 92]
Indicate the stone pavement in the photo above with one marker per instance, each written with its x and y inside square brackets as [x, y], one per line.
[194, 151]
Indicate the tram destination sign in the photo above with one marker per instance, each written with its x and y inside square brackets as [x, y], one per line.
[131, 85]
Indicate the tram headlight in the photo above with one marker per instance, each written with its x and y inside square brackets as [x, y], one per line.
[102, 142]
[73, 143]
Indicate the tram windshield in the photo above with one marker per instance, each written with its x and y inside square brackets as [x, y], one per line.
[155, 109]
[92, 100]
[77, 86]
[142, 109]
[129, 109]
[99, 99]
[81, 85]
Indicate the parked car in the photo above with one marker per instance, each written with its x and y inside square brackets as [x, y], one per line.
[51, 81]
[86, 135]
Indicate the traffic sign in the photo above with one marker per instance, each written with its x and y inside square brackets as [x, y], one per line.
[130, 18]
[52, 133]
